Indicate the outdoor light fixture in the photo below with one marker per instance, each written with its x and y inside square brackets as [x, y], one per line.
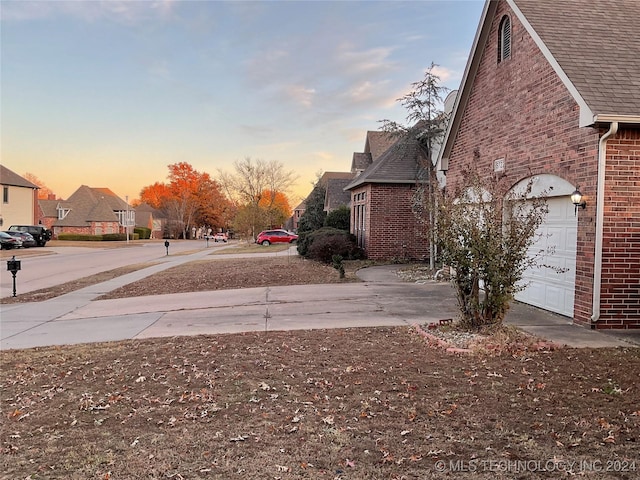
[577, 200]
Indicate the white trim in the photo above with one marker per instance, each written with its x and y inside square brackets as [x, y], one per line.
[544, 185]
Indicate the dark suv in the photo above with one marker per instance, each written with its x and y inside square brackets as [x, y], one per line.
[40, 234]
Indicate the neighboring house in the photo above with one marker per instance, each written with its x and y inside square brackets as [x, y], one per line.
[382, 194]
[295, 218]
[19, 200]
[151, 218]
[551, 92]
[48, 212]
[93, 211]
[335, 196]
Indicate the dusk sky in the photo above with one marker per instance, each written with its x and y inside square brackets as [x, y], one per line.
[108, 93]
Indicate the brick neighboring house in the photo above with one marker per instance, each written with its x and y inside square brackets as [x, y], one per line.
[19, 200]
[382, 218]
[92, 211]
[551, 91]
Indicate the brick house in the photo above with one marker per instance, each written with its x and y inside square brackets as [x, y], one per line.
[387, 174]
[92, 211]
[551, 91]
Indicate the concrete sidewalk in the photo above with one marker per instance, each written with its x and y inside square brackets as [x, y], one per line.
[380, 300]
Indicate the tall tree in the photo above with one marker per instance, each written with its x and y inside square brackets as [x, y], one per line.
[254, 182]
[155, 195]
[426, 123]
[44, 191]
[189, 199]
[276, 208]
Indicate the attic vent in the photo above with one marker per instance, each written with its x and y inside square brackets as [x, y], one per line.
[504, 39]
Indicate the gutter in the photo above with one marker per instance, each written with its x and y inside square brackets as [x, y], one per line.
[597, 267]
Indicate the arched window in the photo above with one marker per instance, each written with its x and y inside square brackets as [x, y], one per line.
[504, 39]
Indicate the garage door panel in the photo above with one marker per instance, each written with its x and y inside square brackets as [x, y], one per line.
[546, 287]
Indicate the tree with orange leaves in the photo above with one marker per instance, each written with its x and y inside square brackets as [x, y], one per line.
[276, 208]
[189, 199]
[44, 191]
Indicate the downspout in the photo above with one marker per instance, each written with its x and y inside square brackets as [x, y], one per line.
[597, 267]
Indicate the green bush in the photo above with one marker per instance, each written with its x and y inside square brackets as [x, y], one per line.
[325, 243]
[118, 237]
[143, 232]
[339, 218]
[79, 237]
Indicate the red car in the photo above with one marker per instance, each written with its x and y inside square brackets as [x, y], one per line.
[268, 237]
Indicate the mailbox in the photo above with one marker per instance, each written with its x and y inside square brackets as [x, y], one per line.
[13, 265]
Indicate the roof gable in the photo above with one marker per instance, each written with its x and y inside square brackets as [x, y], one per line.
[88, 205]
[600, 34]
[377, 143]
[12, 179]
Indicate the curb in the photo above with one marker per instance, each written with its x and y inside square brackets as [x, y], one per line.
[438, 342]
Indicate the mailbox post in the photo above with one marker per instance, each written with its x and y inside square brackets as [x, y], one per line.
[13, 266]
[166, 245]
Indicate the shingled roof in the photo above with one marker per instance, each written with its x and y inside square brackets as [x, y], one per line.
[88, 205]
[401, 163]
[596, 44]
[377, 143]
[12, 179]
[360, 161]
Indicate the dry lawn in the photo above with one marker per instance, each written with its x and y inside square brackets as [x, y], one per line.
[376, 403]
[357, 404]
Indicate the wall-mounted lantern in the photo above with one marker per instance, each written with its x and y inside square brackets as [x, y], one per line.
[578, 200]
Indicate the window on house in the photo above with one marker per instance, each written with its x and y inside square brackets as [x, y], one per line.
[5, 194]
[504, 39]
[63, 212]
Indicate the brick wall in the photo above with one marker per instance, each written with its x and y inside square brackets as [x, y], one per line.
[393, 232]
[620, 293]
[520, 111]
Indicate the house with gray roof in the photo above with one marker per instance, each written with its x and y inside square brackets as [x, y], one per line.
[551, 95]
[92, 211]
[382, 197]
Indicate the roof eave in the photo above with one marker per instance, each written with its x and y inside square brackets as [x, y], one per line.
[623, 119]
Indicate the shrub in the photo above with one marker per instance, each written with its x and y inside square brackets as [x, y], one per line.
[118, 237]
[326, 242]
[79, 237]
[339, 218]
[142, 232]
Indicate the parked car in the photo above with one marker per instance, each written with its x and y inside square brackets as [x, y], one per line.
[26, 238]
[267, 237]
[7, 242]
[220, 237]
[40, 234]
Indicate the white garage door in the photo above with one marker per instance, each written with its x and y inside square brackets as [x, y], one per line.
[545, 287]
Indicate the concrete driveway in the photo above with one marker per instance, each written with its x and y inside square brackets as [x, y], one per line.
[381, 299]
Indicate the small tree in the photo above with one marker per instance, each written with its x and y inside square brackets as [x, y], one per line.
[257, 185]
[426, 124]
[485, 231]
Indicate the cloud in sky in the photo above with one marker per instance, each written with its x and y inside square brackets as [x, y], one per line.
[210, 82]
